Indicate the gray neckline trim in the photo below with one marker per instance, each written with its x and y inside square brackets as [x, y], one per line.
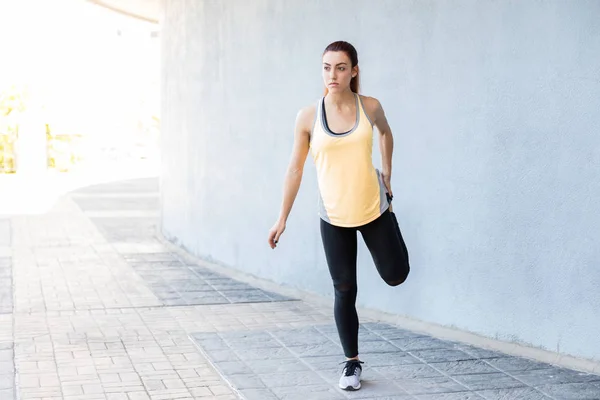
[324, 124]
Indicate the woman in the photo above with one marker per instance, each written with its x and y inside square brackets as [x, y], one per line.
[355, 196]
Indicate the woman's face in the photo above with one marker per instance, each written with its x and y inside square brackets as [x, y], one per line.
[337, 71]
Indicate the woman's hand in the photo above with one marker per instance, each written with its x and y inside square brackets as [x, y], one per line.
[275, 233]
[387, 182]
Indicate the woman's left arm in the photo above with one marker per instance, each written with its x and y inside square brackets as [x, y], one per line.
[386, 142]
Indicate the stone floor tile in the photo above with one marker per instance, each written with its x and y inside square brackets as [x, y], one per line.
[512, 394]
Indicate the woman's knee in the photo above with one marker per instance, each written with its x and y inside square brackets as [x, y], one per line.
[345, 292]
[396, 282]
[344, 287]
[396, 278]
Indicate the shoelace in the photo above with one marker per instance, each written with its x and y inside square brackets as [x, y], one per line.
[351, 366]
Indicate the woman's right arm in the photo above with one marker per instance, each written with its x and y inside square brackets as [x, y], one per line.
[294, 172]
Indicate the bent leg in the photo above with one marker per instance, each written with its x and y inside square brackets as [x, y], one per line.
[340, 251]
[387, 247]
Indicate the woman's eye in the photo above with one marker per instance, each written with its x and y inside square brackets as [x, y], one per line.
[342, 69]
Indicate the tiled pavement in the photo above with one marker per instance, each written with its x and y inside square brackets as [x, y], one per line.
[101, 309]
[6, 306]
[272, 363]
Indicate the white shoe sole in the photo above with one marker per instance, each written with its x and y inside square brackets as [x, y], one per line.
[351, 388]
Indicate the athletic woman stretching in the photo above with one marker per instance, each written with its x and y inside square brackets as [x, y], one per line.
[354, 196]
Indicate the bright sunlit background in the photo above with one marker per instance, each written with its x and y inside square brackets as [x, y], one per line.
[79, 99]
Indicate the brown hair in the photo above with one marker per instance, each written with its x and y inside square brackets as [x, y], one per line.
[352, 55]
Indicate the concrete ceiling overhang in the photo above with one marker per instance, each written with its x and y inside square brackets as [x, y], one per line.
[146, 10]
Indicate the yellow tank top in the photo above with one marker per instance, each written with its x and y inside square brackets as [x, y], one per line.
[350, 187]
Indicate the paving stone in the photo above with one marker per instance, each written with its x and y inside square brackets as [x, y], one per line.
[279, 353]
[512, 364]
[388, 359]
[6, 381]
[464, 367]
[238, 367]
[6, 292]
[377, 347]
[365, 335]
[390, 332]
[573, 391]
[308, 392]
[210, 298]
[240, 346]
[409, 371]
[302, 336]
[512, 394]
[295, 378]
[178, 285]
[151, 260]
[228, 286]
[6, 367]
[244, 335]
[497, 380]
[245, 381]
[216, 344]
[440, 355]
[371, 389]
[245, 296]
[421, 343]
[323, 363]
[453, 396]
[430, 385]
[328, 349]
[222, 355]
[379, 397]
[120, 229]
[276, 366]
[479, 352]
[538, 377]
[258, 394]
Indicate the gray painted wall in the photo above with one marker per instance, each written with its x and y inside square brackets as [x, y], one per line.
[494, 107]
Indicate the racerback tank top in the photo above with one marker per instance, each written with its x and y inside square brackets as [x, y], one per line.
[351, 188]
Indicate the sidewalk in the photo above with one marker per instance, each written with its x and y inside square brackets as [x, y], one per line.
[93, 305]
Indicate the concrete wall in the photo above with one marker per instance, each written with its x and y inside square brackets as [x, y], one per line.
[495, 112]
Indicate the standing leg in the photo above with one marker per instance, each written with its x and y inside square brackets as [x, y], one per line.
[387, 247]
[340, 251]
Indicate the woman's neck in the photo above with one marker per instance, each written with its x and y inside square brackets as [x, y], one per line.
[340, 100]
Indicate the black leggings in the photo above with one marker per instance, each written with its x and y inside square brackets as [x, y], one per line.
[385, 242]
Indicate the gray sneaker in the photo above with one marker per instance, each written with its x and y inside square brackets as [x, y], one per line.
[350, 379]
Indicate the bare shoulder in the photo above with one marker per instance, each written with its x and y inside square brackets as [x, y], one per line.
[306, 117]
[371, 104]
[375, 112]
